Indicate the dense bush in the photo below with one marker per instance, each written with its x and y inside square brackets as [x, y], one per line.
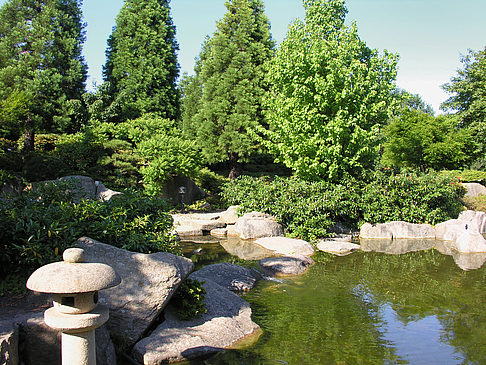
[314, 209]
[36, 227]
[416, 198]
[308, 209]
[467, 176]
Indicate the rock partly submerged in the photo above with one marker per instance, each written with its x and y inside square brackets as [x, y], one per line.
[286, 246]
[285, 265]
[230, 276]
[227, 321]
[337, 247]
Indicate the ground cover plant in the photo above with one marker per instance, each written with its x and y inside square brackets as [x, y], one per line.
[38, 226]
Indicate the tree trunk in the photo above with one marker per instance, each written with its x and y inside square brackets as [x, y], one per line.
[29, 135]
[235, 166]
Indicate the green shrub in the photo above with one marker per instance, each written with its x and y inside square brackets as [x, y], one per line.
[466, 176]
[308, 209]
[415, 198]
[189, 299]
[36, 227]
[311, 210]
[477, 203]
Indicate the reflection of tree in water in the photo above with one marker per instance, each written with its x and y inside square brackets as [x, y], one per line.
[428, 283]
[317, 319]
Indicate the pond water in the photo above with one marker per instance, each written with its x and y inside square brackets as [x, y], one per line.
[364, 308]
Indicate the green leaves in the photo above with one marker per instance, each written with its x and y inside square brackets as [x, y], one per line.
[37, 227]
[141, 65]
[422, 141]
[329, 94]
[222, 102]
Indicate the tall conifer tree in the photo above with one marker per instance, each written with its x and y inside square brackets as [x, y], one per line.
[40, 58]
[229, 75]
[141, 65]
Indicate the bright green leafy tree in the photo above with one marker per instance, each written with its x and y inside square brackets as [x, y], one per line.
[40, 59]
[329, 96]
[422, 141]
[229, 84]
[141, 65]
[468, 89]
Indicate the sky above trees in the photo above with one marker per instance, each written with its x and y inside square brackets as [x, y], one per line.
[429, 35]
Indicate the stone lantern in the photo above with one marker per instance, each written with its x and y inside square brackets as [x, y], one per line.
[76, 312]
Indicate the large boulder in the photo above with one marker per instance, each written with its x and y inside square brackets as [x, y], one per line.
[474, 189]
[230, 276]
[255, 225]
[230, 216]
[170, 190]
[286, 246]
[475, 220]
[104, 194]
[470, 242]
[465, 232]
[196, 224]
[397, 230]
[285, 265]
[337, 247]
[148, 283]
[228, 320]
[245, 250]
[396, 247]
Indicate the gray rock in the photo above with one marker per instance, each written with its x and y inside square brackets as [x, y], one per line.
[228, 320]
[104, 194]
[339, 248]
[148, 282]
[196, 224]
[245, 250]
[171, 190]
[285, 265]
[83, 187]
[470, 242]
[255, 225]
[475, 220]
[397, 230]
[9, 345]
[230, 216]
[286, 246]
[219, 232]
[474, 189]
[465, 233]
[396, 247]
[230, 276]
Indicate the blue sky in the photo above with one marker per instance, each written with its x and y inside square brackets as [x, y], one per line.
[429, 35]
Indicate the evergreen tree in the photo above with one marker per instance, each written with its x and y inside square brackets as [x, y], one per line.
[229, 84]
[141, 61]
[40, 58]
[329, 96]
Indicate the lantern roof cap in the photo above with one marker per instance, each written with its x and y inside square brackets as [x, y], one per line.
[73, 275]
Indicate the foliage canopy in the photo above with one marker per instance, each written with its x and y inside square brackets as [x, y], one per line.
[223, 100]
[141, 61]
[329, 95]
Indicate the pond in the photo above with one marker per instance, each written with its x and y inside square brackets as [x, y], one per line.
[364, 308]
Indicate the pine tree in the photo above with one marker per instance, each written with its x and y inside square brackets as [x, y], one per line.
[141, 61]
[40, 58]
[229, 80]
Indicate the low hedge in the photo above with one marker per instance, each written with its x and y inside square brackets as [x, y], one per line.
[311, 210]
